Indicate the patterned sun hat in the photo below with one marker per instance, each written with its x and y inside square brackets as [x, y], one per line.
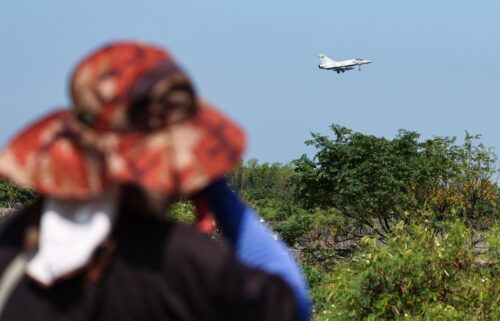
[135, 118]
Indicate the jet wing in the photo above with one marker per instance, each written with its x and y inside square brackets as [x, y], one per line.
[343, 68]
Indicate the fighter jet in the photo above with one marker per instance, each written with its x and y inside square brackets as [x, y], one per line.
[340, 66]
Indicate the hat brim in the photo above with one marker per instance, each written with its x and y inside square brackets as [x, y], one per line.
[56, 160]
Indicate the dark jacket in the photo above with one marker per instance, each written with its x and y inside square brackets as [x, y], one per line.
[156, 271]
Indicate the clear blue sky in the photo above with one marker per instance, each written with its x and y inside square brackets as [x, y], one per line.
[436, 70]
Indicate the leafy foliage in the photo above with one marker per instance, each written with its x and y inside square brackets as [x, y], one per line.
[13, 196]
[424, 272]
[467, 188]
[385, 229]
[257, 182]
[376, 182]
[182, 211]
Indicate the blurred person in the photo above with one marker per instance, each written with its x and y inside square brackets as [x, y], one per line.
[96, 244]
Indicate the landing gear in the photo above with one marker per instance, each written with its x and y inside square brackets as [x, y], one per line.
[343, 71]
[338, 71]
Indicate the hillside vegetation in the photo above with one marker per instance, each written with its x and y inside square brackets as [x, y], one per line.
[385, 229]
[388, 229]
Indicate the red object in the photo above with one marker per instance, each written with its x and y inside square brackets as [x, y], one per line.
[135, 118]
[205, 221]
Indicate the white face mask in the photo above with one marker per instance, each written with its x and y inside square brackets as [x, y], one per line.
[70, 231]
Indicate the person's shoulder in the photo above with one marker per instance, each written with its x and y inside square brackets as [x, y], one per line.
[188, 243]
[202, 265]
[158, 243]
[184, 232]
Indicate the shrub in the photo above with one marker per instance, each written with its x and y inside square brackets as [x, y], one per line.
[13, 196]
[182, 211]
[423, 272]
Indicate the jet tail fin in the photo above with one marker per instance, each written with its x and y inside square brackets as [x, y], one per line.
[324, 59]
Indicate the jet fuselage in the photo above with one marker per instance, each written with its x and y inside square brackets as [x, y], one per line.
[341, 66]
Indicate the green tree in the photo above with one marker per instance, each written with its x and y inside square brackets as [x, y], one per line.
[423, 272]
[466, 187]
[369, 179]
[375, 181]
[258, 181]
[265, 186]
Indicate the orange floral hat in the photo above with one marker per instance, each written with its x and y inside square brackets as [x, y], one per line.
[135, 119]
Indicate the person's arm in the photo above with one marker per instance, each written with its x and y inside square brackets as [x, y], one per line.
[254, 242]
